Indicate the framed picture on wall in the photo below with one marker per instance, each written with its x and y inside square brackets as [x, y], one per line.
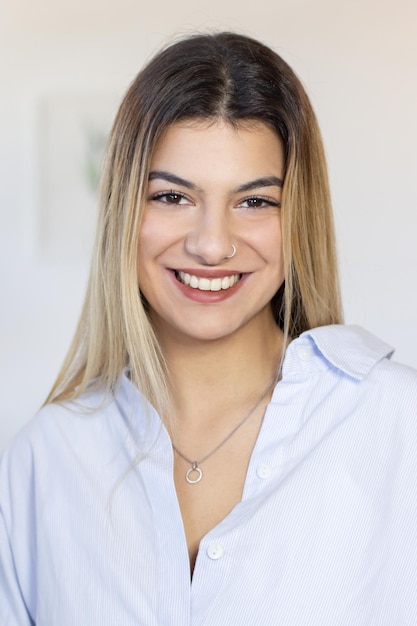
[72, 135]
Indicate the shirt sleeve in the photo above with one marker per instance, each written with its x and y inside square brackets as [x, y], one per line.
[17, 537]
[13, 611]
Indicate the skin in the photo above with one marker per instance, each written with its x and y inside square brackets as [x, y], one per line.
[193, 229]
[212, 185]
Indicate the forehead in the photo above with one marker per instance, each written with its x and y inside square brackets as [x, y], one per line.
[201, 149]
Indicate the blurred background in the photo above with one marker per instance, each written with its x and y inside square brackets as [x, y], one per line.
[64, 67]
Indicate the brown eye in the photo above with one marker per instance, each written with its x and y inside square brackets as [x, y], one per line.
[255, 203]
[170, 197]
[173, 198]
[258, 202]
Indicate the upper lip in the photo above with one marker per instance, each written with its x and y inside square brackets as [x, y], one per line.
[207, 272]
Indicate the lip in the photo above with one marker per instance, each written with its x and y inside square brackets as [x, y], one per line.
[207, 297]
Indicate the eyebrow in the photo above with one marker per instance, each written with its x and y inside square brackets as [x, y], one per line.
[265, 181]
[172, 178]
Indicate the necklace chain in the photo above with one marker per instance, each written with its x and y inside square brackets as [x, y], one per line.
[194, 474]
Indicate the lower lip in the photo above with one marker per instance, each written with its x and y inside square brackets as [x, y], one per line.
[207, 297]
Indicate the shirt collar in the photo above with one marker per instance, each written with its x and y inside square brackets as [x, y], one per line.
[350, 349]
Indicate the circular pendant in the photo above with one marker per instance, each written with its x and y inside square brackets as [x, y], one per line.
[197, 478]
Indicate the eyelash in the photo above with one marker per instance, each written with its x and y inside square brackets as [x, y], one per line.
[160, 196]
[164, 194]
[266, 201]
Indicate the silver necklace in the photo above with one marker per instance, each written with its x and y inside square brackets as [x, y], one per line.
[194, 474]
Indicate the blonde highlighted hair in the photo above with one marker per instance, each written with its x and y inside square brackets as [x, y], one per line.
[210, 76]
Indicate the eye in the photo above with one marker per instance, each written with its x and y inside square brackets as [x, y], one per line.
[259, 202]
[170, 197]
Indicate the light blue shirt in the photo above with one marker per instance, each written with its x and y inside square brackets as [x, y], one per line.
[325, 534]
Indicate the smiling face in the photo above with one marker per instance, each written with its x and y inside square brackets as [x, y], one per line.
[212, 187]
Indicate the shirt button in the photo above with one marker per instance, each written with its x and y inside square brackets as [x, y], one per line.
[263, 471]
[304, 353]
[215, 551]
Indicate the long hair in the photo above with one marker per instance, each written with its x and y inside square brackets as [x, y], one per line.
[209, 76]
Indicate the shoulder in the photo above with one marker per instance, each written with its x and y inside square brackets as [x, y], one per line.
[86, 433]
[343, 380]
[54, 427]
[57, 416]
[360, 363]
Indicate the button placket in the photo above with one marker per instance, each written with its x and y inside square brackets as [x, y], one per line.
[215, 551]
[263, 471]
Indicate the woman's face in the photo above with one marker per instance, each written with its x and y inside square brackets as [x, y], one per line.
[212, 187]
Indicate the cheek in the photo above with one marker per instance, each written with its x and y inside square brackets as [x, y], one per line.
[268, 243]
[158, 233]
[148, 236]
[144, 254]
[150, 244]
[273, 256]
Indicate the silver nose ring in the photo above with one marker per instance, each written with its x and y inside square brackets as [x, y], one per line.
[234, 250]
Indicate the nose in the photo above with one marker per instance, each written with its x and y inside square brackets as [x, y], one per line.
[210, 239]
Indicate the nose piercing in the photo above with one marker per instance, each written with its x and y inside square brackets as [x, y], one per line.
[234, 250]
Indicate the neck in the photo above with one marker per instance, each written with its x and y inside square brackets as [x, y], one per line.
[211, 379]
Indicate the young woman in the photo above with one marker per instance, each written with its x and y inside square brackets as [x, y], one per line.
[218, 448]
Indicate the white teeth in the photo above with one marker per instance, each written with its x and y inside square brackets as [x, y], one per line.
[207, 284]
[216, 284]
[204, 284]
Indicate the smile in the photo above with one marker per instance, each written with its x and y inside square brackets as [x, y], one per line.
[207, 284]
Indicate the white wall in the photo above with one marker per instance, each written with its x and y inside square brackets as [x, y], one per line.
[358, 60]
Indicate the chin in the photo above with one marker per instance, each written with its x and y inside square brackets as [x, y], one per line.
[208, 334]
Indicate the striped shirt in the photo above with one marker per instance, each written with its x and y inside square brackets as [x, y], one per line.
[325, 534]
